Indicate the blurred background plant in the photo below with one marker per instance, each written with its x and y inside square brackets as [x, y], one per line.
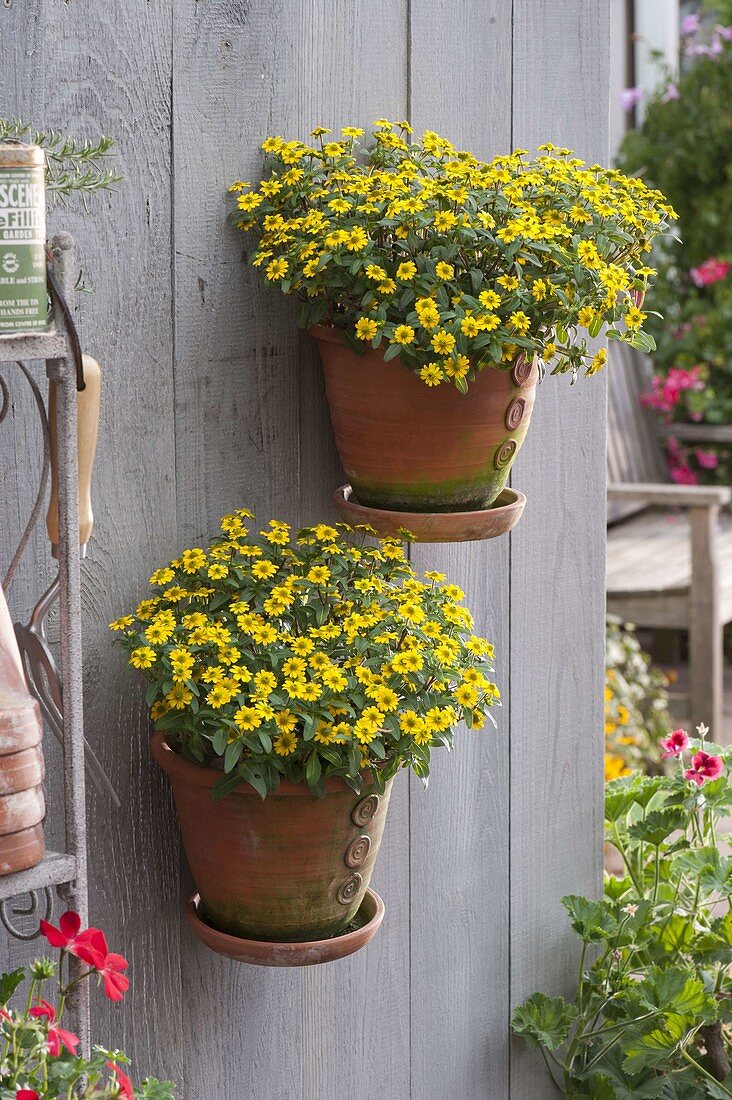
[636, 704]
[684, 147]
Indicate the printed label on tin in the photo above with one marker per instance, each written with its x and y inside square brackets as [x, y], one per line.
[23, 299]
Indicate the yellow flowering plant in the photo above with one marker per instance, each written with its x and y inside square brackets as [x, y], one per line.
[306, 656]
[449, 262]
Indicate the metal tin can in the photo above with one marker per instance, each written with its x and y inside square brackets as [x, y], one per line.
[23, 295]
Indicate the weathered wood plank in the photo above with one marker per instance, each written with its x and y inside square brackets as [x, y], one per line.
[460, 69]
[706, 641]
[236, 395]
[361, 1005]
[109, 68]
[557, 562]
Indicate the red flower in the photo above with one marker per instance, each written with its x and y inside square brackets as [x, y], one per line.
[27, 1094]
[58, 1037]
[89, 946]
[703, 767]
[674, 744]
[123, 1082]
[110, 966]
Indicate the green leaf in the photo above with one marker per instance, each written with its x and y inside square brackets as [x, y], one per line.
[312, 770]
[592, 920]
[253, 779]
[392, 352]
[677, 933]
[544, 1021]
[232, 754]
[653, 1049]
[219, 742]
[657, 826]
[226, 785]
[9, 983]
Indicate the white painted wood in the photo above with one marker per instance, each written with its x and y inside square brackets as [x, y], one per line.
[557, 564]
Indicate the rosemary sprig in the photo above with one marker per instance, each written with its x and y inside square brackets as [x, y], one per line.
[72, 166]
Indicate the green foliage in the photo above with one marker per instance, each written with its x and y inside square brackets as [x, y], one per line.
[72, 166]
[684, 147]
[450, 263]
[636, 704]
[307, 655]
[651, 1016]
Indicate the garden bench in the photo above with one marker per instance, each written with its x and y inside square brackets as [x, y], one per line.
[669, 547]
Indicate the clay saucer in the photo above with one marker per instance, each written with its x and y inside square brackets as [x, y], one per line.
[488, 523]
[269, 953]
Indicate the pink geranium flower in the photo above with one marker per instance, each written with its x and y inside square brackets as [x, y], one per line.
[58, 1037]
[89, 946]
[123, 1082]
[674, 744]
[704, 766]
[690, 24]
[110, 966]
[711, 271]
[630, 97]
[672, 92]
[708, 460]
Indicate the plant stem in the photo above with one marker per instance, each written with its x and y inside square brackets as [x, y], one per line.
[700, 1069]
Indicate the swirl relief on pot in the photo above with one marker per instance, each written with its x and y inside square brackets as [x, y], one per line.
[365, 810]
[349, 889]
[521, 370]
[357, 851]
[515, 413]
[505, 453]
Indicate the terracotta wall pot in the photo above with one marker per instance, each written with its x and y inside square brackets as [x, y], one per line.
[405, 446]
[291, 867]
[21, 760]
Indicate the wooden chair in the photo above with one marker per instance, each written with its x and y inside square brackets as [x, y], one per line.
[669, 549]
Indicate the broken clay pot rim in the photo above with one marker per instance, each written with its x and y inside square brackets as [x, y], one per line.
[272, 953]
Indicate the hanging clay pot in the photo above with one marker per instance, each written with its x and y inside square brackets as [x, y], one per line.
[408, 447]
[288, 868]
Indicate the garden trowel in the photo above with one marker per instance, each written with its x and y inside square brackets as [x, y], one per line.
[39, 664]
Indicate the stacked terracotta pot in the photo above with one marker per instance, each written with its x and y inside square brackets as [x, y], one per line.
[22, 805]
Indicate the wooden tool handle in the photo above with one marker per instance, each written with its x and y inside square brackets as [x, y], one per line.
[88, 401]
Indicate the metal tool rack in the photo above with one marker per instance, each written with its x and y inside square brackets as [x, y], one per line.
[65, 871]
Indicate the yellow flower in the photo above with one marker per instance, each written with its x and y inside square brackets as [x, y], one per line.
[444, 270]
[192, 560]
[286, 721]
[376, 273]
[406, 271]
[248, 719]
[276, 269]
[466, 695]
[286, 743]
[403, 334]
[178, 697]
[262, 570]
[366, 328]
[432, 374]
[489, 299]
[443, 342]
[319, 574]
[143, 657]
[410, 722]
[122, 623]
[634, 318]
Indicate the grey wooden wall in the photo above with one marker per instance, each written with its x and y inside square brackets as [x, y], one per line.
[213, 399]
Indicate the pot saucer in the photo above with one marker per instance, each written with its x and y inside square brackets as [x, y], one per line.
[487, 523]
[268, 953]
